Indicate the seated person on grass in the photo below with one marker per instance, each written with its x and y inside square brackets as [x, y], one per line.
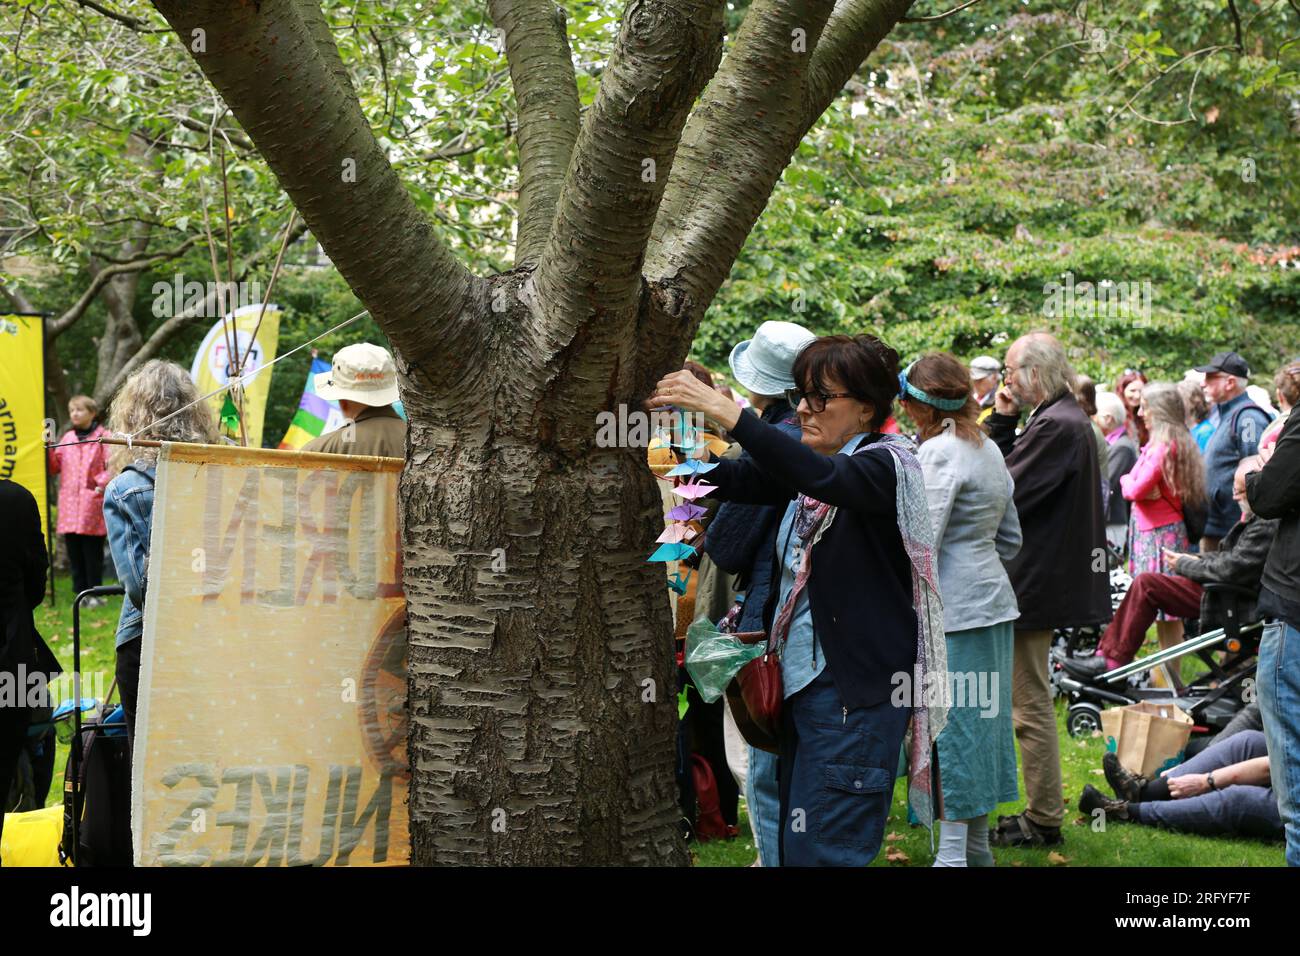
[1224, 790]
[1239, 560]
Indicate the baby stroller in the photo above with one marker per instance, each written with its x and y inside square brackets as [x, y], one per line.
[1231, 627]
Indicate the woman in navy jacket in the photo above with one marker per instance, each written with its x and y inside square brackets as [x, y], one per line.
[854, 567]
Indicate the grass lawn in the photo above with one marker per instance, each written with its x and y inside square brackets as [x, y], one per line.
[1120, 845]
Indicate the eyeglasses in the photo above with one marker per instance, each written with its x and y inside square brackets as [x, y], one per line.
[1008, 370]
[816, 400]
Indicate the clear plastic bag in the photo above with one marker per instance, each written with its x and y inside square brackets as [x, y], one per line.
[714, 658]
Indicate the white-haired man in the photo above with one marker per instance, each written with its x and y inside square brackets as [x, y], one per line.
[1111, 418]
[1060, 575]
[1241, 424]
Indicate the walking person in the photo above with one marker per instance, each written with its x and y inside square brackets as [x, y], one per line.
[976, 528]
[1167, 478]
[81, 462]
[1060, 575]
[855, 606]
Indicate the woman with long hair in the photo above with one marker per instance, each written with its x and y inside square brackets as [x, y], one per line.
[1129, 388]
[1168, 477]
[976, 528]
[158, 402]
[854, 608]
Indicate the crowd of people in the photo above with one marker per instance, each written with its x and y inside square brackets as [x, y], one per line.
[833, 534]
[865, 556]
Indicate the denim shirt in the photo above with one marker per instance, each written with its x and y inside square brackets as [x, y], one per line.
[128, 514]
[1235, 437]
[801, 658]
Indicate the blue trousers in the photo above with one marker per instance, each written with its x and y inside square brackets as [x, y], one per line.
[836, 775]
[763, 801]
[1278, 675]
[1239, 810]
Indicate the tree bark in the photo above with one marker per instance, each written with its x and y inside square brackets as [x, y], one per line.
[541, 71]
[541, 677]
[543, 689]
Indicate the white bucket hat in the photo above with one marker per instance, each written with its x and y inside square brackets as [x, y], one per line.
[762, 364]
[362, 373]
[983, 366]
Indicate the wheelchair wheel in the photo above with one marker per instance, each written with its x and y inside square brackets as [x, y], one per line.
[1083, 719]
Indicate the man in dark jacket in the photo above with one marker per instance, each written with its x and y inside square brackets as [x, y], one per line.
[1274, 492]
[22, 651]
[1060, 575]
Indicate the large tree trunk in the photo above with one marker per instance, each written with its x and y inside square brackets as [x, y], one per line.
[542, 685]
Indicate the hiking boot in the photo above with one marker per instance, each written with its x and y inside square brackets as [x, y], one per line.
[1019, 830]
[1126, 784]
[1093, 799]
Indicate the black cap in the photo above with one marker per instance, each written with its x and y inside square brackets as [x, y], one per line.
[1228, 362]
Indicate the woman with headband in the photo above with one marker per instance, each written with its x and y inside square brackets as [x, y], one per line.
[975, 529]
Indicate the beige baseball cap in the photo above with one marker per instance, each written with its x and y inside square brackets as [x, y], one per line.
[362, 373]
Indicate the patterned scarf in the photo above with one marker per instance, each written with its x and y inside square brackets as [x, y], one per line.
[811, 520]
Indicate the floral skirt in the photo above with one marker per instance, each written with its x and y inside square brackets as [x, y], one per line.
[1145, 551]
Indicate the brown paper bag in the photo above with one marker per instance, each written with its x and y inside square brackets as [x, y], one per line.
[1149, 736]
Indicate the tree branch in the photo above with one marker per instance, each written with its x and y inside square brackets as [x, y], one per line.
[666, 52]
[57, 327]
[277, 68]
[207, 309]
[765, 98]
[940, 16]
[133, 23]
[541, 70]
[738, 140]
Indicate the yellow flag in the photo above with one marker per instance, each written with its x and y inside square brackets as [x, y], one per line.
[211, 368]
[22, 405]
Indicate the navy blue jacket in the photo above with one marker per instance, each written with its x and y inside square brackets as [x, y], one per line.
[742, 538]
[860, 587]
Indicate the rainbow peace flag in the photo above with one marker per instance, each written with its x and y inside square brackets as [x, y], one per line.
[315, 416]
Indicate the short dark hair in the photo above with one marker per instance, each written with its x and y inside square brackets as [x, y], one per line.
[864, 366]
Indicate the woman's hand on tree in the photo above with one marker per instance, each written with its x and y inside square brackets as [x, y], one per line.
[683, 390]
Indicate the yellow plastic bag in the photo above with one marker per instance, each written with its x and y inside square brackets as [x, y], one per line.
[32, 838]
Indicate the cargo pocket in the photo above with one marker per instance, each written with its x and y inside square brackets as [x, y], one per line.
[854, 806]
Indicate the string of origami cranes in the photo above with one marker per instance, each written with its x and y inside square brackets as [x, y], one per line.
[673, 543]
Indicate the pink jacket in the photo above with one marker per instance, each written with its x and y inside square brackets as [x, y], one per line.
[83, 467]
[1146, 476]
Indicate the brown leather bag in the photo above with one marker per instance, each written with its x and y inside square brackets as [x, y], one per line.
[755, 696]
